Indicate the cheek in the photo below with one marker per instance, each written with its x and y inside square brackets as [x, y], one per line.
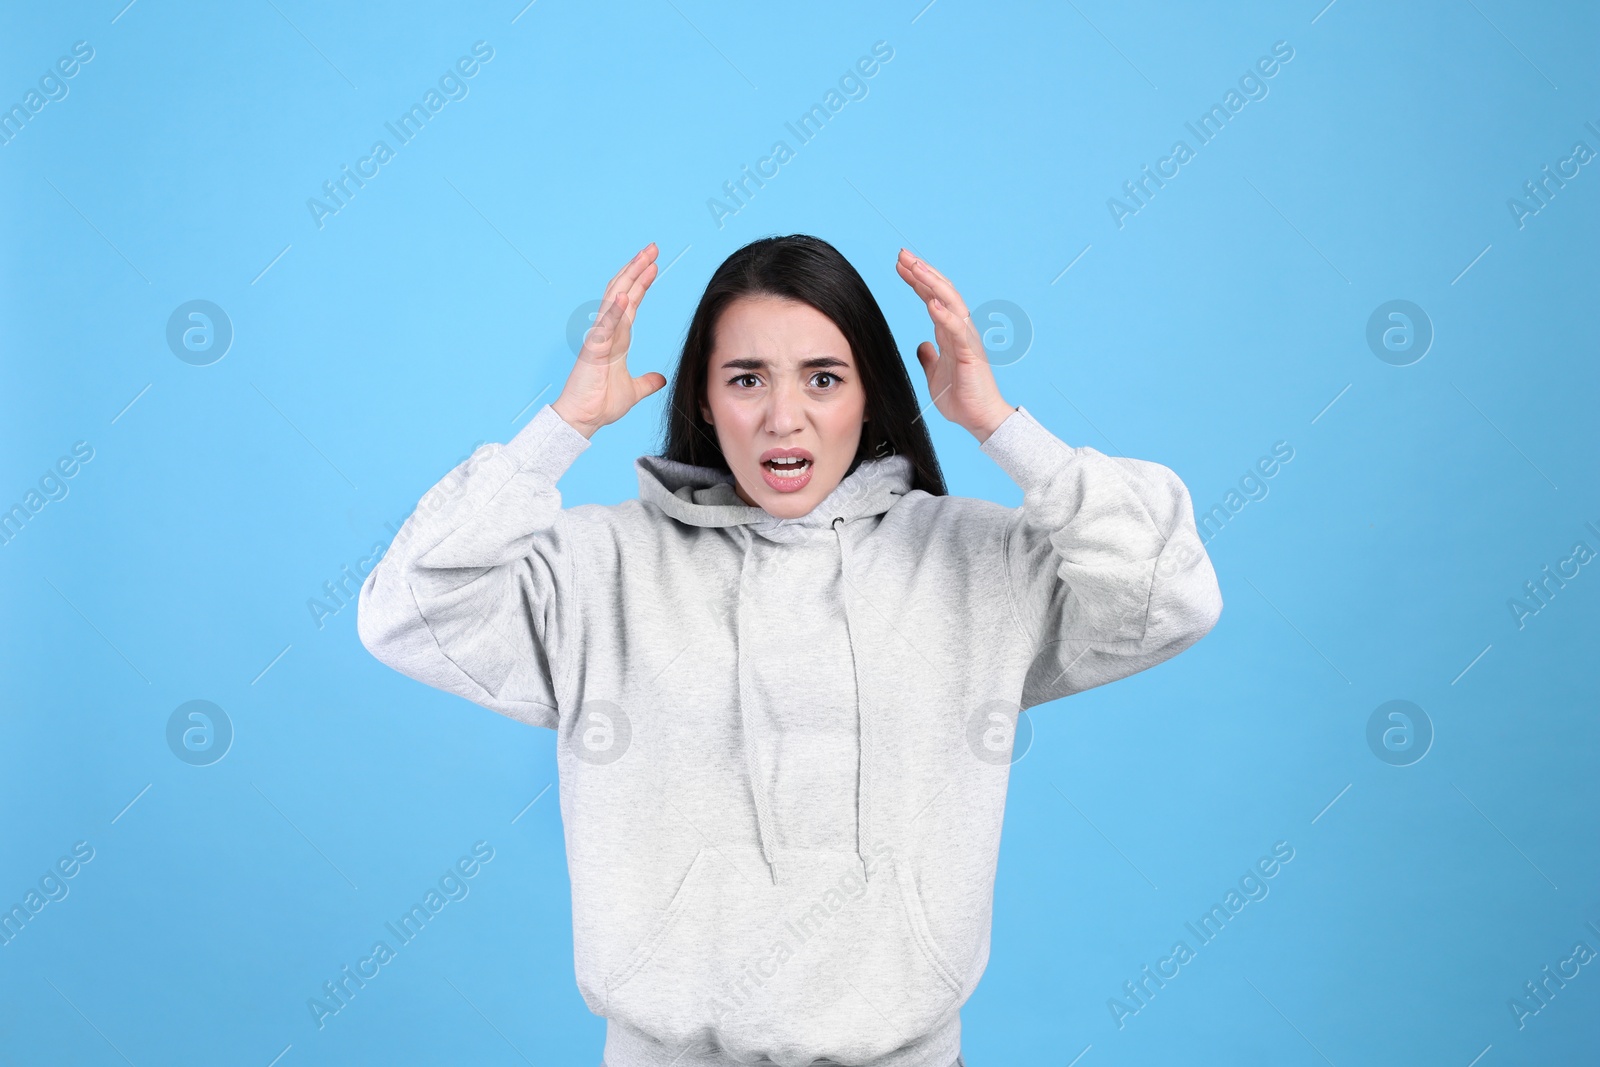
[735, 426]
[733, 417]
[844, 423]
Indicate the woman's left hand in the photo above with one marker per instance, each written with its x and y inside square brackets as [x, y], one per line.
[959, 377]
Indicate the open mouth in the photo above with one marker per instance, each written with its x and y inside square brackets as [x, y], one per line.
[787, 473]
[788, 466]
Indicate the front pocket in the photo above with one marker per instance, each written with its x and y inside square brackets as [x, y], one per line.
[646, 949]
[918, 919]
[825, 965]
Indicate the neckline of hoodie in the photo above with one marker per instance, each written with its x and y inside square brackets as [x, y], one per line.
[871, 490]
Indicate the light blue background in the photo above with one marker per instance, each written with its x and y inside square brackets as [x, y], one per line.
[374, 353]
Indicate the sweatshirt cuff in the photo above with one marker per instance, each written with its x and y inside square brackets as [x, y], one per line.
[546, 446]
[1027, 451]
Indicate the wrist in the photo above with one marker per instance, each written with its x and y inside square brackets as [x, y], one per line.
[587, 429]
[983, 428]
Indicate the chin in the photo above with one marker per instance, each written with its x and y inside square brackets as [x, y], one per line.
[789, 505]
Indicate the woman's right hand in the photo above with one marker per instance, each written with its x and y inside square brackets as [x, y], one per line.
[599, 391]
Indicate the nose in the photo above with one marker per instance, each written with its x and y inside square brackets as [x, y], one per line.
[785, 410]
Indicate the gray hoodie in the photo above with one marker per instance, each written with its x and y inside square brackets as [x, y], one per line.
[783, 744]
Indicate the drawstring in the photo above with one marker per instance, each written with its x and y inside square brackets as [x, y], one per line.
[863, 742]
[764, 830]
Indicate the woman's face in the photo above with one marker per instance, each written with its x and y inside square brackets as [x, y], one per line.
[781, 381]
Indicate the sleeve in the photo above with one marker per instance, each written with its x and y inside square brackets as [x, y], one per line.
[1106, 573]
[476, 594]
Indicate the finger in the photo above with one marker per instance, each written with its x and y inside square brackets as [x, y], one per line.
[915, 267]
[930, 286]
[913, 260]
[912, 278]
[957, 334]
[642, 256]
[930, 269]
[646, 384]
[640, 281]
[945, 333]
[941, 287]
[918, 285]
[927, 279]
[597, 339]
[630, 270]
[637, 290]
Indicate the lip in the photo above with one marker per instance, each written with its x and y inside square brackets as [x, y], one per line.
[790, 483]
[784, 453]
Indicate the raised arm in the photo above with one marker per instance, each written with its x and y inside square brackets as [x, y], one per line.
[1102, 560]
[476, 594]
[1103, 565]
[472, 595]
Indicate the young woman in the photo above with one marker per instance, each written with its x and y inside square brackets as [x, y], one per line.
[785, 679]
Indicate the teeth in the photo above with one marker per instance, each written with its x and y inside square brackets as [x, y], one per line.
[788, 466]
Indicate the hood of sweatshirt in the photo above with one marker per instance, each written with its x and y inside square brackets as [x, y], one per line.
[705, 496]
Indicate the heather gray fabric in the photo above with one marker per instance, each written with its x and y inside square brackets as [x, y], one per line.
[783, 744]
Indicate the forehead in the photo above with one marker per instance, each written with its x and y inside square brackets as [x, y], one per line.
[777, 331]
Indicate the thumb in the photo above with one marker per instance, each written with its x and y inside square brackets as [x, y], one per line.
[646, 384]
[928, 356]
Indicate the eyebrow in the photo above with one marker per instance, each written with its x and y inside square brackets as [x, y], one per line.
[761, 364]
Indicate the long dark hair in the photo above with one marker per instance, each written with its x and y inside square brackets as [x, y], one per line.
[811, 271]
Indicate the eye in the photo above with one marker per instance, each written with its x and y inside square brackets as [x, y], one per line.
[739, 378]
[826, 374]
